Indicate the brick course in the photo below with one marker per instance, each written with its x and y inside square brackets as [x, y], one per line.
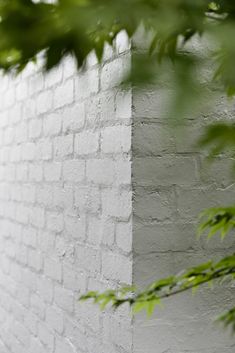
[57, 212]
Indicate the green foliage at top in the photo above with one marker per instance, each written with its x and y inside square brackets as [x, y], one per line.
[80, 26]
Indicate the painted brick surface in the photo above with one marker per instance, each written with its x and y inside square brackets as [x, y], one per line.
[171, 185]
[65, 188]
[96, 191]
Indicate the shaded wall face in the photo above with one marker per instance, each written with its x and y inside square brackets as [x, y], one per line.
[65, 207]
[171, 185]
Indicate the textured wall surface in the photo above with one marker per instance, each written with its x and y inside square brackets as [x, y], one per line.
[65, 207]
[96, 191]
[171, 185]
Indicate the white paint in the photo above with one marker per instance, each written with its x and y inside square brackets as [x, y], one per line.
[77, 215]
[65, 187]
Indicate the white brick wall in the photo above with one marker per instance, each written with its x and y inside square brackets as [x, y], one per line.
[96, 191]
[65, 181]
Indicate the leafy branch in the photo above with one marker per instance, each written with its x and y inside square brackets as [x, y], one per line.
[215, 220]
[167, 287]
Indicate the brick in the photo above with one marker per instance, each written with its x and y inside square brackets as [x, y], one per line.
[155, 171]
[118, 331]
[46, 336]
[54, 319]
[107, 106]
[29, 236]
[64, 299]
[123, 171]
[64, 346]
[21, 172]
[86, 84]
[87, 198]
[36, 346]
[28, 109]
[53, 269]
[53, 77]
[88, 259]
[28, 151]
[123, 102]
[86, 142]
[9, 97]
[75, 226]
[15, 154]
[52, 171]
[157, 204]
[35, 128]
[15, 272]
[38, 306]
[124, 236]
[93, 109]
[73, 118]
[113, 73]
[44, 150]
[36, 83]
[117, 267]
[45, 289]
[8, 135]
[116, 139]
[89, 315]
[55, 221]
[46, 241]
[75, 333]
[22, 214]
[164, 237]
[21, 255]
[108, 52]
[35, 260]
[44, 102]
[64, 94]
[73, 280]
[63, 146]
[21, 132]
[21, 333]
[69, 67]
[122, 42]
[28, 193]
[44, 195]
[152, 103]
[100, 171]
[31, 321]
[52, 124]
[108, 232]
[64, 249]
[63, 197]
[74, 170]
[35, 172]
[94, 231]
[37, 217]
[152, 139]
[10, 172]
[117, 203]
[21, 90]
[29, 279]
